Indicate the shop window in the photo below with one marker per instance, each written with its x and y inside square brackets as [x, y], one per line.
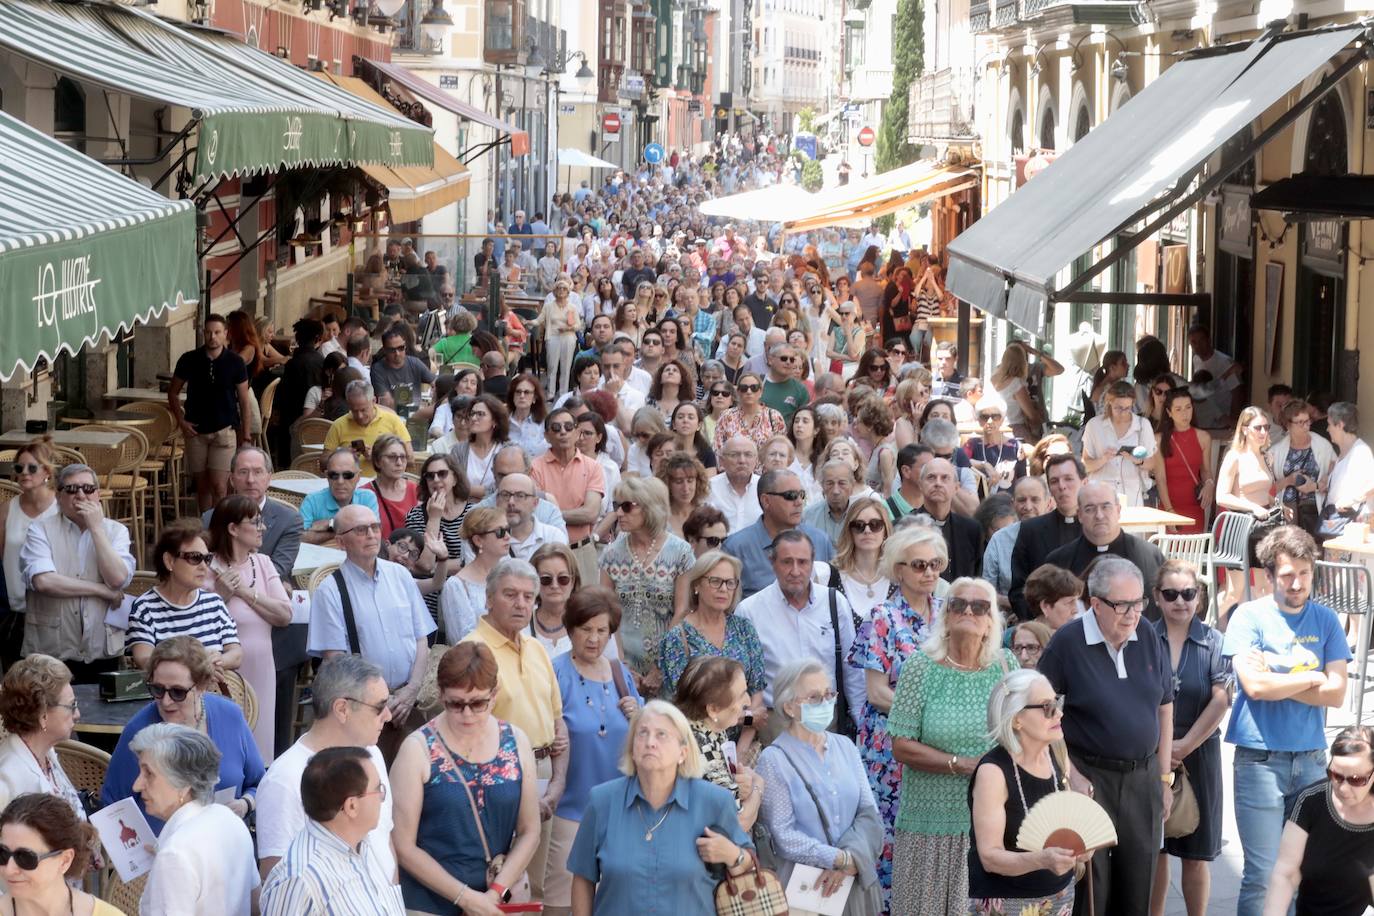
[69, 113]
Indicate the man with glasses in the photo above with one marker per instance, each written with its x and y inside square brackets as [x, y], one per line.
[772, 338]
[332, 866]
[529, 697]
[215, 418]
[782, 389]
[1290, 657]
[1118, 691]
[781, 498]
[319, 509]
[576, 483]
[1100, 514]
[650, 355]
[963, 537]
[371, 607]
[76, 564]
[796, 619]
[397, 369]
[735, 492]
[517, 494]
[363, 423]
[349, 699]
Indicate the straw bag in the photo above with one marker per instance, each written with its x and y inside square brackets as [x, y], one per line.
[757, 892]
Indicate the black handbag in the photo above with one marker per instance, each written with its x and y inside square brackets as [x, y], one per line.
[1333, 521]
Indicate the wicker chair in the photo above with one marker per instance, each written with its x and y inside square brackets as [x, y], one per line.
[84, 765]
[61, 457]
[123, 897]
[142, 581]
[126, 485]
[8, 491]
[266, 402]
[309, 462]
[295, 475]
[293, 500]
[241, 692]
[168, 449]
[312, 430]
[276, 498]
[319, 575]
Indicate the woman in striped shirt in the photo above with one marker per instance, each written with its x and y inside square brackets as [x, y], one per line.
[180, 604]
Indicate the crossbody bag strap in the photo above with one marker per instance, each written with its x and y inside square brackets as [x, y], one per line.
[350, 624]
[825, 822]
[839, 652]
[476, 815]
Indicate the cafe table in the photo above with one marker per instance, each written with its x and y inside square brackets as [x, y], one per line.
[147, 395]
[99, 717]
[313, 556]
[1144, 519]
[67, 438]
[1354, 541]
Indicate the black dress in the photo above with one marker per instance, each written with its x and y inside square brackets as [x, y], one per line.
[1338, 858]
[1200, 666]
[983, 885]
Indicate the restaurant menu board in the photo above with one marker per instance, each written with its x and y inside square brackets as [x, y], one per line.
[128, 840]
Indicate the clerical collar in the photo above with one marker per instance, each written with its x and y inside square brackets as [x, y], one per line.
[1103, 548]
[1069, 519]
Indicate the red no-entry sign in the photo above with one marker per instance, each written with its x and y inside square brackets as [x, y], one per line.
[866, 137]
[610, 122]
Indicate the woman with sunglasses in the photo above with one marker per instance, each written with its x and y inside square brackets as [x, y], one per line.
[705, 529]
[464, 783]
[645, 565]
[37, 499]
[1159, 390]
[39, 711]
[464, 598]
[1246, 483]
[998, 457]
[849, 338]
[939, 729]
[599, 698]
[256, 598]
[442, 502]
[1328, 837]
[45, 853]
[181, 604]
[180, 675]
[752, 418]
[1202, 679]
[1026, 720]
[558, 582]
[912, 560]
[857, 567]
[1183, 462]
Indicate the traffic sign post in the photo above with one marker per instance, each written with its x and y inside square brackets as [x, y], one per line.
[653, 154]
[866, 137]
[610, 123]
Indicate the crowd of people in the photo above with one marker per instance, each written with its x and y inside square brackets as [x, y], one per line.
[718, 564]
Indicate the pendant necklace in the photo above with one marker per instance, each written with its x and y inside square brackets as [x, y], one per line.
[649, 833]
[601, 706]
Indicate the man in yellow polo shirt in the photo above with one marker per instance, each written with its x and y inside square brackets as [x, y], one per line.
[364, 422]
[527, 696]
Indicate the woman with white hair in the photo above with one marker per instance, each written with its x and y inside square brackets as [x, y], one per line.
[817, 802]
[204, 861]
[561, 319]
[998, 457]
[1025, 718]
[660, 821]
[646, 566]
[912, 559]
[937, 724]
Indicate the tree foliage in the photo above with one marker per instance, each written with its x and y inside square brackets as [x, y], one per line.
[812, 176]
[806, 118]
[908, 55]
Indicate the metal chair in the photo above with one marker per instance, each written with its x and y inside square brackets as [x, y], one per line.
[1231, 544]
[1345, 588]
[1197, 550]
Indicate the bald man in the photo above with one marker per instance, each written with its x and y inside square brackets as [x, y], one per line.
[963, 536]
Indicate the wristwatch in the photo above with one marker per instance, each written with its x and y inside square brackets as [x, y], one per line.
[1167, 779]
[501, 890]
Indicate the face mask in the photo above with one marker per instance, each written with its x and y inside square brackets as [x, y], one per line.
[817, 716]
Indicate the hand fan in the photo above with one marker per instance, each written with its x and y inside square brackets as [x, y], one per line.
[1068, 820]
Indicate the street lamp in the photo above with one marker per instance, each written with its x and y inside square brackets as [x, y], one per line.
[559, 64]
[435, 27]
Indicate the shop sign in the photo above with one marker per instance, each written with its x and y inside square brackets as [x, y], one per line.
[566, 109]
[632, 85]
[1235, 235]
[448, 81]
[1324, 243]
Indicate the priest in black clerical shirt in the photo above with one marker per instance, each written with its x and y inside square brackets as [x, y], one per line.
[963, 537]
[1102, 536]
[1040, 536]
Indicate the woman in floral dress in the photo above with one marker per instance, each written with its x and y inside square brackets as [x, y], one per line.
[913, 558]
[752, 418]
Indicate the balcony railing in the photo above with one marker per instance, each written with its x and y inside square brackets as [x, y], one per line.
[871, 82]
[1006, 13]
[1102, 12]
[979, 16]
[940, 107]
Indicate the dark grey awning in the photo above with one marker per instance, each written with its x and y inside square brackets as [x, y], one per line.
[1129, 166]
[1306, 196]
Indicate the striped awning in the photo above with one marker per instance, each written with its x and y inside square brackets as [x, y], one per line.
[257, 113]
[861, 203]
[84, 251]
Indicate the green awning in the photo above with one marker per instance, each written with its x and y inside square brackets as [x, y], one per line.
[257, 113]
[84, 251]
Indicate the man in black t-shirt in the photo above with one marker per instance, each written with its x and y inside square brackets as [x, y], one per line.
[215, 417]
[636, 272]
[304, 370]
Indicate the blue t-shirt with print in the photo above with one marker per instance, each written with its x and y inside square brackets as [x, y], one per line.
[1306, 641]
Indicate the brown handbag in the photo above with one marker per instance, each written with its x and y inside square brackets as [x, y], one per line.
[757, 892]
[1184, 815]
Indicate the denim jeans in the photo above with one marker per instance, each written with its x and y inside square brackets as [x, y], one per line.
[1266, 784]
[920, 339]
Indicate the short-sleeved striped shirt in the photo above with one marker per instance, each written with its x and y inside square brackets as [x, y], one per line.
[153, 618]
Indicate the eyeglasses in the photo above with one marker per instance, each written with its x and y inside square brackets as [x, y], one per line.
[467, 705]
[501, 532]
[625, 507]
[178, 694]
[818, 698]
[73, 707]
[1125, 607]
[380, 791]
[377, 707]
[790, 495]
[1032, 649]
[720, 393]
[511, 496]
[26, 859]
[524, 393]
[195, 557]
[395, 456]
[922, 566]
[1173, 594]
[717, 582]
[26, 468]
[990, 417]
[1050, 708]
[400, 349]
[341, 475]
[878, 367]
[562, 427]
[898, 351]
[368, 528]
[1260, 427]
[71, 489]
[436, 475]
[711, 540]
[749, 388]
[651, 342]
[975, 608]
[859, 526]
[1355, 782]
[787, 359]
[563, 580]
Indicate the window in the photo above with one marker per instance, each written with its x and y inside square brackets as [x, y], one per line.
[69, 113]
[1047, 129]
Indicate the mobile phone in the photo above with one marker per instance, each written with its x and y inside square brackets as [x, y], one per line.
[358, 445]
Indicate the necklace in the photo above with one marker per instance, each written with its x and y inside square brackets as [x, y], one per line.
[949, 660]
[599, 706]
[649, 831]
[1016, 772]
[645, 561]
[869, 583]
[42, 762]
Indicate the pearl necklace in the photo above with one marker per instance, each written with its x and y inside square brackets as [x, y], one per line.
[654, 548]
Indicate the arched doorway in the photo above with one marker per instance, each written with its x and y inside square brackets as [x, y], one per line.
[1319, 328]
[1047, 129]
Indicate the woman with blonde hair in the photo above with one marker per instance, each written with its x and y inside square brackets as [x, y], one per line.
[913, 391]
[1246, 484]
[561, 319]
[464, 598]
[37, 500]
[857, 567]
[938, 725]
[646, 566]
[1009, 381]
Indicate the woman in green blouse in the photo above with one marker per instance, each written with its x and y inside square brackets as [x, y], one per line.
[938, 725]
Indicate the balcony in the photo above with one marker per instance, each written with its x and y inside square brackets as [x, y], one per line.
[1006, 14]
[940, 107]
[1101, 12]
[870, 82]
[979, 16]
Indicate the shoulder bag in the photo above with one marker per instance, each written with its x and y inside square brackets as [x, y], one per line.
[844, 720]
[1184, 816]
[350, 624]
[757, 892]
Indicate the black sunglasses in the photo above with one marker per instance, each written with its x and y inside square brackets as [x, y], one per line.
[1173, 594]
[1050, 708]
[195, 557]
[711, 540]
[342, 475]
[859, 526]
[467, 705]
[71, 489]
[625, 507]
[26, 468]
[27, 859]
[749, 387]
[977, 607]
[562, 427]
[179, 694]
[789, 495]
[499, 532]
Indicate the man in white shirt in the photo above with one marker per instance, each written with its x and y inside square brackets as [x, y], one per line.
[615, 360]
[795, 619]
[736, 492]
[330, 342]
[518, 495]
[349, 698]
[1215, 411]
